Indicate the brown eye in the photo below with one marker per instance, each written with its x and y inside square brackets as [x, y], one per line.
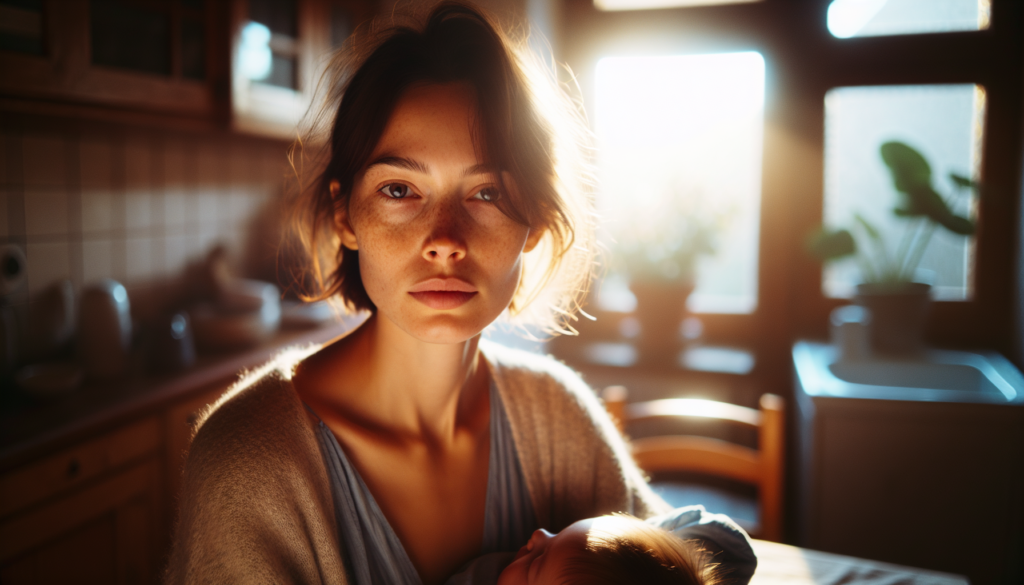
[489, 194]
[395, 190]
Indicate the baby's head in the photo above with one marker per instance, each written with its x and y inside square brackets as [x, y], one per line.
[609, 550]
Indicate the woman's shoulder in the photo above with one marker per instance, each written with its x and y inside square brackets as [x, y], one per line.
[255, 500]
[260, 415]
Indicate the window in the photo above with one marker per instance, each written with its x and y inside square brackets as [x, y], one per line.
[870, 18]
[829, 102]
[942, 122]
[275, 24]
[680, 158]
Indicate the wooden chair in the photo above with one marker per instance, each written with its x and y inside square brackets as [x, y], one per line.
[762, 467]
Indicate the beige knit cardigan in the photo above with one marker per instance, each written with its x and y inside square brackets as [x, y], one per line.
[256, 503]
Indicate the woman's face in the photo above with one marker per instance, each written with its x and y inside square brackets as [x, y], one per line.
[436, 256]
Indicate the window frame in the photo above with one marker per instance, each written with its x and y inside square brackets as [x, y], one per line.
[800, 69]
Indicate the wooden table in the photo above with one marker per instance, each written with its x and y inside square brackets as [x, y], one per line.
[781, 563]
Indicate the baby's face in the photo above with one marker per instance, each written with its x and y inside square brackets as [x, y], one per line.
[542, 560]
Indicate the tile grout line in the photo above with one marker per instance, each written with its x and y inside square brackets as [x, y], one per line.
[73, 159]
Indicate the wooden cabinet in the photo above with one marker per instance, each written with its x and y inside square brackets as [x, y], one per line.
[181, 59]
[93, 500]
[158, 55]
[100, 511]
[90, 514]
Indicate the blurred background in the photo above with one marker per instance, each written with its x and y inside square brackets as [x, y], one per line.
[744, 194]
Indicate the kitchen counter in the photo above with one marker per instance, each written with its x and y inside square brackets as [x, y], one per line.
[29, 427]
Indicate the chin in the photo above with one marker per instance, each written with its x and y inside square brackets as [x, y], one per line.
[446, 329]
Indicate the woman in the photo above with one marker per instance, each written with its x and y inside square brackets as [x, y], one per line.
[400, 451]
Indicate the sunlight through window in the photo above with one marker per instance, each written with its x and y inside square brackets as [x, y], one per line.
[871, 18]
[650, 4]
[944, 123]
[680, 141]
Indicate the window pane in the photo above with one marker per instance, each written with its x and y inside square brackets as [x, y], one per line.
[943, 123]
[282, 72]
[132, 37]
[873, 18]
[680, 141]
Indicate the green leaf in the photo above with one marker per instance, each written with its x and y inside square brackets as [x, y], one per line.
[927, 203]
[869, 229]
[828, 245]
[958, 225]
[962, 182]
[909, 168]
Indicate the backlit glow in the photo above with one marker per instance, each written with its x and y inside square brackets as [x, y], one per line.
[868, 18]
[649, 4]
[687, 126]
[254, 55]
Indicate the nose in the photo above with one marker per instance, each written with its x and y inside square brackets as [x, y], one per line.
[539, 538]
[446, 241]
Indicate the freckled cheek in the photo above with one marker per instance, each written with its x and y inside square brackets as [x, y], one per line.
[501, 257]
[381, 261]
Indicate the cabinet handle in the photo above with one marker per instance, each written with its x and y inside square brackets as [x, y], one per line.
[73, 468]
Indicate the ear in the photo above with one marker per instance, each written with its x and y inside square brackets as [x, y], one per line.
[341, 223]
[533, 238]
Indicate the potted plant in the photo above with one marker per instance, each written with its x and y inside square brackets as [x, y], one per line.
[656, 249]
[898, 305]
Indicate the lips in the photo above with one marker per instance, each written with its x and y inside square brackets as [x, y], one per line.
[443, 293]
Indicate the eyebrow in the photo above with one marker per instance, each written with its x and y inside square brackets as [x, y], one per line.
[417, 166]
[400, 162]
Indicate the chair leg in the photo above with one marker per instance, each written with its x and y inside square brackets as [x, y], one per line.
[771, 439]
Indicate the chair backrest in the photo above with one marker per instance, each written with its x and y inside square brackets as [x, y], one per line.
[762, 467]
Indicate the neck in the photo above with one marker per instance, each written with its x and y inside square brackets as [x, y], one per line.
[424, 389]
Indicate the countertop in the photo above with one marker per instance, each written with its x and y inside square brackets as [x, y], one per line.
[29, 428]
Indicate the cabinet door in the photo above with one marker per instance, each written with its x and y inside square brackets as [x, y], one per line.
[154, 55]
[77, 466]
[101, 534]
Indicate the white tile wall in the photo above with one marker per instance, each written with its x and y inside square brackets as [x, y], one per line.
[95, 160]
[44, 158]
[131, 205]
[47, 262]
[175, 201]
[97, 260]
[46, 212]
[3, 209]
[97, 212]
[176, 252]
[4, 138]
[137, 211]
[140, 259]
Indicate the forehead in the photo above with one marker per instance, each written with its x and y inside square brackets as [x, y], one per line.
[433, 120]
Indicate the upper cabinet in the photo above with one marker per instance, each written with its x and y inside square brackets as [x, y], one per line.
[251, 65]
[154, 55]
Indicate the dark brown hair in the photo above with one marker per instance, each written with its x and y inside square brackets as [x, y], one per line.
[622, 550]
[520, 134]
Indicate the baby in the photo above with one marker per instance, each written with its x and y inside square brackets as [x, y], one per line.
[687, 546]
